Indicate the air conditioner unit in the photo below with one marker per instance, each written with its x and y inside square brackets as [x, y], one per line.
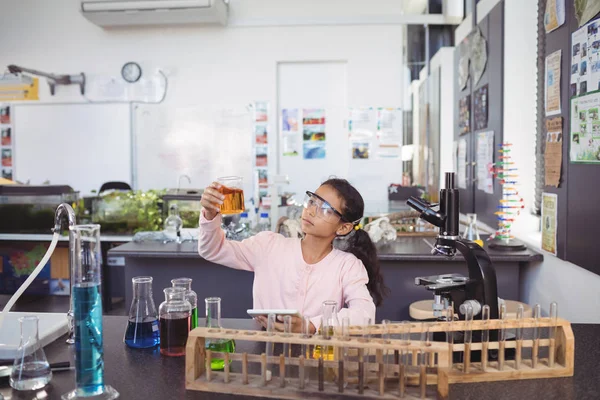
[115, 13]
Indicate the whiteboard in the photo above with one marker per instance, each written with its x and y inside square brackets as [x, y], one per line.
[80, 145]
[202, 142]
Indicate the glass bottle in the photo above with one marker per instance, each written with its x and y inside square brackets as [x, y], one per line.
[31, 370]
[190, 296]
[329, 327]
[472, 233]
[213, 320]
[173, 224]
[142, 328]
[86, 277]
[174, 322]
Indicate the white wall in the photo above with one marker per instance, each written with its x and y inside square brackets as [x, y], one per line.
[207, 66]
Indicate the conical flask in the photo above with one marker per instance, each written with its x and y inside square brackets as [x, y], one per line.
[31, 370]
[472, 233]
[142, 328]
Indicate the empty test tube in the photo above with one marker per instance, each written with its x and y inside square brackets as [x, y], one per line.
[404, 357]
[450, 333]
[552, 333]
[468, 338]
[425, 342]
[343, 355]
[269, 346]
[502, 344]
[519, 336]
[537, 314]
[485, 336]
[287, 348]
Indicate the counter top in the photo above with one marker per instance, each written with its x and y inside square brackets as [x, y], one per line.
[402, 249]
[40, 237]
[144, 374]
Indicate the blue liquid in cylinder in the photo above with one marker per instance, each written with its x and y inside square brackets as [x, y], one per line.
[89, 354]
[142, 334]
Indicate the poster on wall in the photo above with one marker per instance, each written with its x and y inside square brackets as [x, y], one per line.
[361, 123]
[464, 115]
[389, 125]
[478, 54]
[552, 84]
[549, 222]
[462, 164]
[313, 133]
[553, 153]
[6, 142]
[261, 149]
[554, 15]
[260, 133]
[586, 10]
[585, 59]
[360, 150]
[480, 107]
[585, 129]
[485, 162]
[290, 132]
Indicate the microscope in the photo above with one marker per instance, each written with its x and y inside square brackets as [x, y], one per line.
[455, 290]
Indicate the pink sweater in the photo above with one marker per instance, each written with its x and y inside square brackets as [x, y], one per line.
[282, 279]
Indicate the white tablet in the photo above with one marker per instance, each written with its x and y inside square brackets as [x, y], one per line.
[266, 312]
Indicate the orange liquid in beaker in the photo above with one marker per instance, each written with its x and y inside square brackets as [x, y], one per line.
[233, 202]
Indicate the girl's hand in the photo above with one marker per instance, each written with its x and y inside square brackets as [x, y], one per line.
[279, 327]
[212, 200]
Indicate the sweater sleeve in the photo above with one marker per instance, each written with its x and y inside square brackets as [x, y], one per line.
[246, 255]
[358, 300]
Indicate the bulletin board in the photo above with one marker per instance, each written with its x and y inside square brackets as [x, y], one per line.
[80, 145]
[576, 237]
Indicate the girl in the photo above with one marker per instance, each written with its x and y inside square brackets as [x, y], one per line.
[302, 274]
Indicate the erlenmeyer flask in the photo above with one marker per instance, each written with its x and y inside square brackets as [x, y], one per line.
[31, 370]
[190, 296]
[142, 328]
[472, 233]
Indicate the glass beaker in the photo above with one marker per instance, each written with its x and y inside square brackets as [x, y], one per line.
[233, 190]
[190, 296]
[175, 313]
[142, 328]
[86, 275]
[31, 370]
[173, 224]
[472, 233]
[213, 320]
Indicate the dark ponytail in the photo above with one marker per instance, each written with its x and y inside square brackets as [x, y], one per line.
[358, 242]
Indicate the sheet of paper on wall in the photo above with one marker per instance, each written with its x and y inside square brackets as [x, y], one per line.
[554, 15]
[585, 129]
[462, 164]
[464, 115]
[361, 150]
[480, 107]
[485, 161]
[552, 84]
[454, 156]
[549, 222]
[291, 139]
[585, 60]
[553, 153]
[389, 125]
[6, 142]
[586, 10]
[361, 123]
[389, 152]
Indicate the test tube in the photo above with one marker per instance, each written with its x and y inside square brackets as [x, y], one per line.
[485, 336]
[386, 337]
[450, 333]
[502, 344]
[537, 314]
[306, 350]
[404, 357]
[552, 333]
[519, 336]
[468, 338]
[343, 356]
[269, 346]
[287, 353]
[425, 341]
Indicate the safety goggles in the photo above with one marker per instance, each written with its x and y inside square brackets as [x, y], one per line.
[323, 209]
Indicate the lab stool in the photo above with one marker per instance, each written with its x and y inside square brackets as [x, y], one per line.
[423, 310]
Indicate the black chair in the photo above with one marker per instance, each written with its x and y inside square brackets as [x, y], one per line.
[114, 186]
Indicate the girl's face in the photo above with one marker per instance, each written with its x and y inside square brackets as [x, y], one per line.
[313, 222]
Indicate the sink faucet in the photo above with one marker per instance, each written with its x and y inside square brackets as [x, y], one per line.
[65, 210]
[179, 181]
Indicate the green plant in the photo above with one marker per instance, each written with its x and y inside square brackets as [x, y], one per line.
[132, 211]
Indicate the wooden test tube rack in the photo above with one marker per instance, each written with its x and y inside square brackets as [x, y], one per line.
[440, 370]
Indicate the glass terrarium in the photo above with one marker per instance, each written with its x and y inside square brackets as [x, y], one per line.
[127, 212]
[188, 203]
[30, 209]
